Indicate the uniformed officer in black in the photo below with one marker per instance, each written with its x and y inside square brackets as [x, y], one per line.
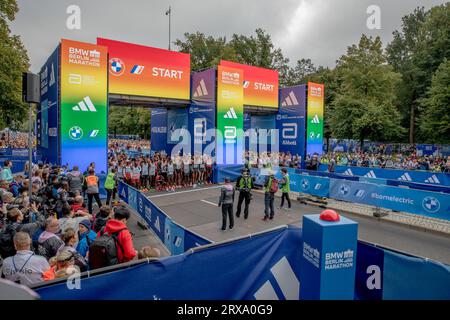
[244, 184]
[226, 201]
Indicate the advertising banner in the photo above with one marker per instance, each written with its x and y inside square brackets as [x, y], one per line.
[314, 127]
[260, 85]
[291, 120]
[84, 105]
[47, 119]
[432, 204]
[146, 71]
[177, 119]
[267, 124]
[202, 122]
[230, 118]
[158, 124]
[203, 91]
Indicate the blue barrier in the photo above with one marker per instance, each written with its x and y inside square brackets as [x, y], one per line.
[417, 176]
[271, 270]
[431, 204]
[175, 237]
[226, 171]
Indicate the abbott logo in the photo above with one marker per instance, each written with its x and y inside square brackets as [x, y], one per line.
[289, 131]
[290, 100]
[230, 132]
[85, 105]
[201, 90]
[231, 114]
[285, 279]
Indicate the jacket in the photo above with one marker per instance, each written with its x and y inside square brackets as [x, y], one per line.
[6, 175]
[124, 238]
[226, 195]
[244, 183]
[92, 184]
[76, 180]
[285, 184]
[110, 181]
[25, 267]
[49, 244]
[83, 245]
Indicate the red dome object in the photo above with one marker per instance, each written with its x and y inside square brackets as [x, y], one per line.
[329, 215]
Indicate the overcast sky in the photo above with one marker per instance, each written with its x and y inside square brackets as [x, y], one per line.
[317, 29]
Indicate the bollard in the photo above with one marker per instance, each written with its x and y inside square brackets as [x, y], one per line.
[328, 261]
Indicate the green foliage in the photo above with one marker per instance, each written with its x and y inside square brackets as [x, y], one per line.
[363, 107]
[129, 120]
[435, 118]
[13, 62]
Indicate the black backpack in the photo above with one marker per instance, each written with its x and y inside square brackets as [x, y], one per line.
[7, 248]
[103, 250]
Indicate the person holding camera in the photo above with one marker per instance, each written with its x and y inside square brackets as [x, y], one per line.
[244, 184]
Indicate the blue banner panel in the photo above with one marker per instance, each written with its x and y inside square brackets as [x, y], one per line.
[267, 123]
[426, 177]
[410, 278]
[203, 90]
[158, 129]
[247, 126]
[177, 119]
[174, 237]
[290, 120]
[202, 124]
[48, 117]
[432, 204]
[369, 272]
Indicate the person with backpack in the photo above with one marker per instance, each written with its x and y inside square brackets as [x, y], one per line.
[24, 267]
[76, 180]
[101, 218]
[49, 243]
[110, 184]
[244, 184]
[15, 224]
[285, 189]
[226, 201]
[86, 236]
[113, 244]
[70, 239]
[92, 189]
[270, 188]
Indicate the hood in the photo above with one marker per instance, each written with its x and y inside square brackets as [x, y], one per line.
[228, 187]
[45, 236]
[114, 225]
[74, 173]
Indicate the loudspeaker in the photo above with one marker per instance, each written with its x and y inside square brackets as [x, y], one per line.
[31, 87]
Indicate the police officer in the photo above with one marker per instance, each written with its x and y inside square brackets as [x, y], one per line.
[226, 201]
[244, 184]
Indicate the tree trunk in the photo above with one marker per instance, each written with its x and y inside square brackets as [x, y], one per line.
[412, 124]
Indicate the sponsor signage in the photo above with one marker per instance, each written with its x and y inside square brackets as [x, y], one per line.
[314, 126]
[230, 115]
[146, 71]
[84, 104]
[260, 85]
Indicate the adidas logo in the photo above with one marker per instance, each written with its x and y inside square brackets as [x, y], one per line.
[231, 114]
[201, 90]
[315, 119]
[290, 100]
[85, 105]
[348, 172]
[433, 179]
[405, 177]
[370, 174]
[286, 280]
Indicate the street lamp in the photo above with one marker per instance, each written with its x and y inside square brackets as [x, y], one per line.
[168, 13]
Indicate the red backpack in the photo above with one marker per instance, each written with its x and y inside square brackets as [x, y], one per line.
[274, 186]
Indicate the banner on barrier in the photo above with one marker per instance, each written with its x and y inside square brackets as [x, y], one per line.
[314, 127]
[230, 109]
[84, 104]
[158, 125]
[432, 204]
[260, 84]
[146, 71]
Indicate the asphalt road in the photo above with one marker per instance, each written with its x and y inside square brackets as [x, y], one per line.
[197, 210]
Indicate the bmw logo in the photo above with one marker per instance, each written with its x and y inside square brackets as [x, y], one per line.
[76, 133]
[305, 184]
[344, 189]
[431, 204]
[117, 67]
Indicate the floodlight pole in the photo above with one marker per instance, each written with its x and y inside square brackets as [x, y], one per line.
[169, 13]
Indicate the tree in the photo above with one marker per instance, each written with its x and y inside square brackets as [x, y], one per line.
[435, 118]
[206, 52]
[13, 62]
[303, 69]
[416, 52]
[364, 104]
[129, 120]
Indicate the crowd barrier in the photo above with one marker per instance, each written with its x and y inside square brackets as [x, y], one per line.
[426, 203]
[18, 157]
[175, 237]
[270, 270]
[417, 176]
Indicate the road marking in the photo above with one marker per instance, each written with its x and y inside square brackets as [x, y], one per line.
[179, 192]
[209, 202]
